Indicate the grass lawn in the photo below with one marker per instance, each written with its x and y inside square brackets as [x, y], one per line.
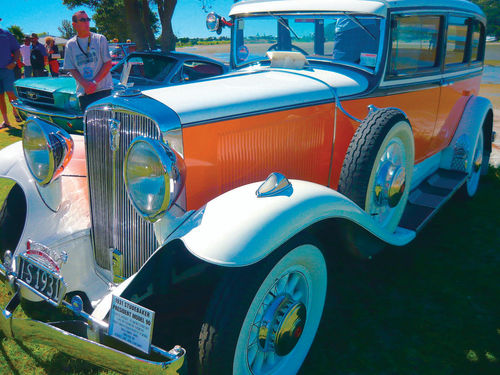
[432, 307]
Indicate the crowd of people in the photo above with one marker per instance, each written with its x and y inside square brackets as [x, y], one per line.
[87, 59]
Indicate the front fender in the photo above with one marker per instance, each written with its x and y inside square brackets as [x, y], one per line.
[238, 229]
[58, 216]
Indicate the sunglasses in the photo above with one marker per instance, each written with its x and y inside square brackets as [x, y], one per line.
[84, 19]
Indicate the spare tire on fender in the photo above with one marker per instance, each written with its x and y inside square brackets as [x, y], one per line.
[378, 166]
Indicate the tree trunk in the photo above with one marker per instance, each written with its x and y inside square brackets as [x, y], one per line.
[146, 21]
[136, 29]
[165, 11]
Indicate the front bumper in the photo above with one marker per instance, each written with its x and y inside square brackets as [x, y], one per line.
[71, 122]
[87, 339]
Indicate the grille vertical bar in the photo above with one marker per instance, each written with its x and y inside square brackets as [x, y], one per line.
[120, 226]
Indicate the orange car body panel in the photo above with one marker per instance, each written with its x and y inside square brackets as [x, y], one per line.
[224, 155]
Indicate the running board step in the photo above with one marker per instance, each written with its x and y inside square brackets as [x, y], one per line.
[426, 199]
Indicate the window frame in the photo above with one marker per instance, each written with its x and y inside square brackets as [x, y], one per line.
[436, 69]
[468, 61]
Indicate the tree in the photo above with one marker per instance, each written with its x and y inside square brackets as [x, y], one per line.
[17, 32]
[66, 30]
[491, 9]
[114, 20]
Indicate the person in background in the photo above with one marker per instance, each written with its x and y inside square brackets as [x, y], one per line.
[87, 59]
[9, 54]
[38, 57]
[25, 55]
[53, 52]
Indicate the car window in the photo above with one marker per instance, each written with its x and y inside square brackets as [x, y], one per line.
[147, 70]
[414, 44]
[456, 38]
[477, 36]
[194, 70]
[353, 39]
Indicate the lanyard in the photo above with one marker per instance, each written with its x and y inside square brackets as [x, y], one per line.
[88, 47]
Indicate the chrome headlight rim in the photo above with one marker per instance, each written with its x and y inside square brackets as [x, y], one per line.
[59, 145]
[172, 166]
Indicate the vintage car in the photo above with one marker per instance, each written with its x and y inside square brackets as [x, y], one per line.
[191, 226]
[55, 100]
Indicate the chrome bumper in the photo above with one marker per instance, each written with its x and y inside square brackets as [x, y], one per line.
[72, 337]
[48, 113]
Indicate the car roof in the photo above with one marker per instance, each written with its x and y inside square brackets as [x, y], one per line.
[378, 7]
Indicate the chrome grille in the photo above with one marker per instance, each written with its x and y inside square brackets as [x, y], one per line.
[35, 96]
[115, 223]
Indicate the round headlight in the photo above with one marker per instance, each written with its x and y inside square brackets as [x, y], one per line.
[47, 149]
[153, 175]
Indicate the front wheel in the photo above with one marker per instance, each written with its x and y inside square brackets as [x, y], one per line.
[471, 185]
[263, 319]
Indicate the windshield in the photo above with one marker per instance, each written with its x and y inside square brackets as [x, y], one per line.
[146, 70]
[332, 37]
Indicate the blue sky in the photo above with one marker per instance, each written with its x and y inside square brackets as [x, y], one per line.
[36, 16]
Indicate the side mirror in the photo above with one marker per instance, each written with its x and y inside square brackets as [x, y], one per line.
[216, 23]
[213, 21]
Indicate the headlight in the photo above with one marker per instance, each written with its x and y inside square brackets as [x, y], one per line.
[154, 177]
[47, 149]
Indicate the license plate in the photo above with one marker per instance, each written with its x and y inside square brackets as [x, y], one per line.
[41, 279]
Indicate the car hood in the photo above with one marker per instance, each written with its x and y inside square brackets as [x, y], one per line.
[65, 85]
[256, 90]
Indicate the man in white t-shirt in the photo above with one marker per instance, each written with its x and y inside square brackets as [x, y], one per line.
[88, 61]
[25, 55]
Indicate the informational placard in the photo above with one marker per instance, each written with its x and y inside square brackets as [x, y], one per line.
[131, 323]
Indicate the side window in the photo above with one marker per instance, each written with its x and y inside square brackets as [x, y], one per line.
[456, 40]
[477, 41]
[414, 45]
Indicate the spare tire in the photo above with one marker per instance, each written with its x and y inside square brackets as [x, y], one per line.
[378, 166]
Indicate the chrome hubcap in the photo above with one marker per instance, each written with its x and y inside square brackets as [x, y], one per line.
[390, 181]
[279, 323]
[282, 325]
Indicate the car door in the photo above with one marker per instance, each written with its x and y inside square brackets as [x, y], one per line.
[193, 70]
[462, 68]
[412, 77]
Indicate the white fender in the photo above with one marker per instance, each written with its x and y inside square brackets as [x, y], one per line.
[458, 155]
[65, 226]
[238, 229]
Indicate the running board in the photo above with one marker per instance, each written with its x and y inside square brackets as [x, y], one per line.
[428, 197]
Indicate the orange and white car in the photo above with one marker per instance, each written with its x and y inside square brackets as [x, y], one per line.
[201, 203]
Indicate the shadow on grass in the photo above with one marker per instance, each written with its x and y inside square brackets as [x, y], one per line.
[5, 357]
[15, 131]
[431, 307]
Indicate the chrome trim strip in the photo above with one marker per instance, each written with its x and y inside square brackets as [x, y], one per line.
[425, 79]
[36, 111]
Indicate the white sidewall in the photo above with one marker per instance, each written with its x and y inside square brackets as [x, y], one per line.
[401, 131]
[308, 260]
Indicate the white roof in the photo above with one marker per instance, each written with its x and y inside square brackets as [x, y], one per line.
[378, 7]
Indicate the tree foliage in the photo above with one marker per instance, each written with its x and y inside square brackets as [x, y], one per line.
[17, 32]
[114, 21]
[66, 30]
[491, 9]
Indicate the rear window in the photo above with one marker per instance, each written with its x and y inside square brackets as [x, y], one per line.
[414, 44]
[456, 40]
[477, 35]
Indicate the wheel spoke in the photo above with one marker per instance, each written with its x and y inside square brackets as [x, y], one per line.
[252, 353]
[281, 284]
[293, 280]
[258, 361]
